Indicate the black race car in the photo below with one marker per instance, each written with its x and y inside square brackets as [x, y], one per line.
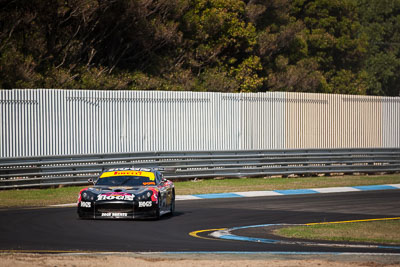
[127, 194]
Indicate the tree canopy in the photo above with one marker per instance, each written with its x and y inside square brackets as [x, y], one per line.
[323, 46]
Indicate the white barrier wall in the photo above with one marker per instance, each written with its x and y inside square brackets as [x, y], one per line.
[38, 122]
[391, 121]
[335, 121]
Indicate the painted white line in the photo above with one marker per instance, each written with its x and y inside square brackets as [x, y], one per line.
[258, 193]
[186, 197]
[336, 189]
[394, 185]
[219, 233]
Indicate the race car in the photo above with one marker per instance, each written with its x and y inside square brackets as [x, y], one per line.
[127, 193]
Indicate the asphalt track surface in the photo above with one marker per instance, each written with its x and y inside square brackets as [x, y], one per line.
[59, 229]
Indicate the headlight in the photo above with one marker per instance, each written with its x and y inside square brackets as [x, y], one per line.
[87, 196]
[145, 195]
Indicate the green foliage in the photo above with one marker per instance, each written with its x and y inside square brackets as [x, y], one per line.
[17, 70]
[219, 34]
[347, 82]
[217, 80]
[331, 46]
[380, 22]
[246, 74]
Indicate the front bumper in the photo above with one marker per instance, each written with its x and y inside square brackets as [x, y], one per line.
[117, 209]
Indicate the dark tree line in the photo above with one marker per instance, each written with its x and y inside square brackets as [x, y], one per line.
[328, 46]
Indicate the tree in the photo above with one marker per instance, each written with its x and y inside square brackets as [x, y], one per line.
[330, 46]
[380, 22]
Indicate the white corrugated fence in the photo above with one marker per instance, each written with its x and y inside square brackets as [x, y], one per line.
[40, 122]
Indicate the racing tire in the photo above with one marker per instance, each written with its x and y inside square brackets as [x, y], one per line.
[172, 207]
[157, 211]
[79, 215]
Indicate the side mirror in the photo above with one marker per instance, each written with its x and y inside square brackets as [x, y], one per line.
[90, 180]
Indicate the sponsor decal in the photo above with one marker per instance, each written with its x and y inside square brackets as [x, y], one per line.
[130, 169]
[149, 175]
[116, 196]
[154, 197]
[145, 204]
[86, 204]
[149, 183]
[114, 214]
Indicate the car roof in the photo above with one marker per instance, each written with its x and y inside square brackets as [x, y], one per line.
[132, 169]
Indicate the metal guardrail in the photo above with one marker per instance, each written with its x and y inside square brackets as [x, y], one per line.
[29, 172]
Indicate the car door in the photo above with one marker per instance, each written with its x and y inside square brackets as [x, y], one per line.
[168, 189]
[163, 191]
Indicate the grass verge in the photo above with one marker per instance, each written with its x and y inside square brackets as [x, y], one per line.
[43, 197]
[380, 232]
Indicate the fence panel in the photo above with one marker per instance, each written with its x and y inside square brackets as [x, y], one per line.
[391, 121]
[334, 121]
[42, 122]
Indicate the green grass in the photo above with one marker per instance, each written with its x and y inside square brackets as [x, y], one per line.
[381, 232]
[38, 197]
[43, 197]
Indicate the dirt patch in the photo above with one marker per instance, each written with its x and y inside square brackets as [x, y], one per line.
[22, 260]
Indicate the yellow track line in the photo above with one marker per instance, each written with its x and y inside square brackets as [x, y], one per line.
[366, 220]
[194, 233]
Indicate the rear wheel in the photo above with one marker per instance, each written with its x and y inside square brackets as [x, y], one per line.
[157, 211]
[172, 207]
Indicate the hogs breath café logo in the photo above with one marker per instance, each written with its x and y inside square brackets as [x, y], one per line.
[125, 196]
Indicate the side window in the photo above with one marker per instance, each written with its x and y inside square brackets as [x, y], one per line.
[158, 178]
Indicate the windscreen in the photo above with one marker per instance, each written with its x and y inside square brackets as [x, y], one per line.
[125, 181]
[127, 178]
